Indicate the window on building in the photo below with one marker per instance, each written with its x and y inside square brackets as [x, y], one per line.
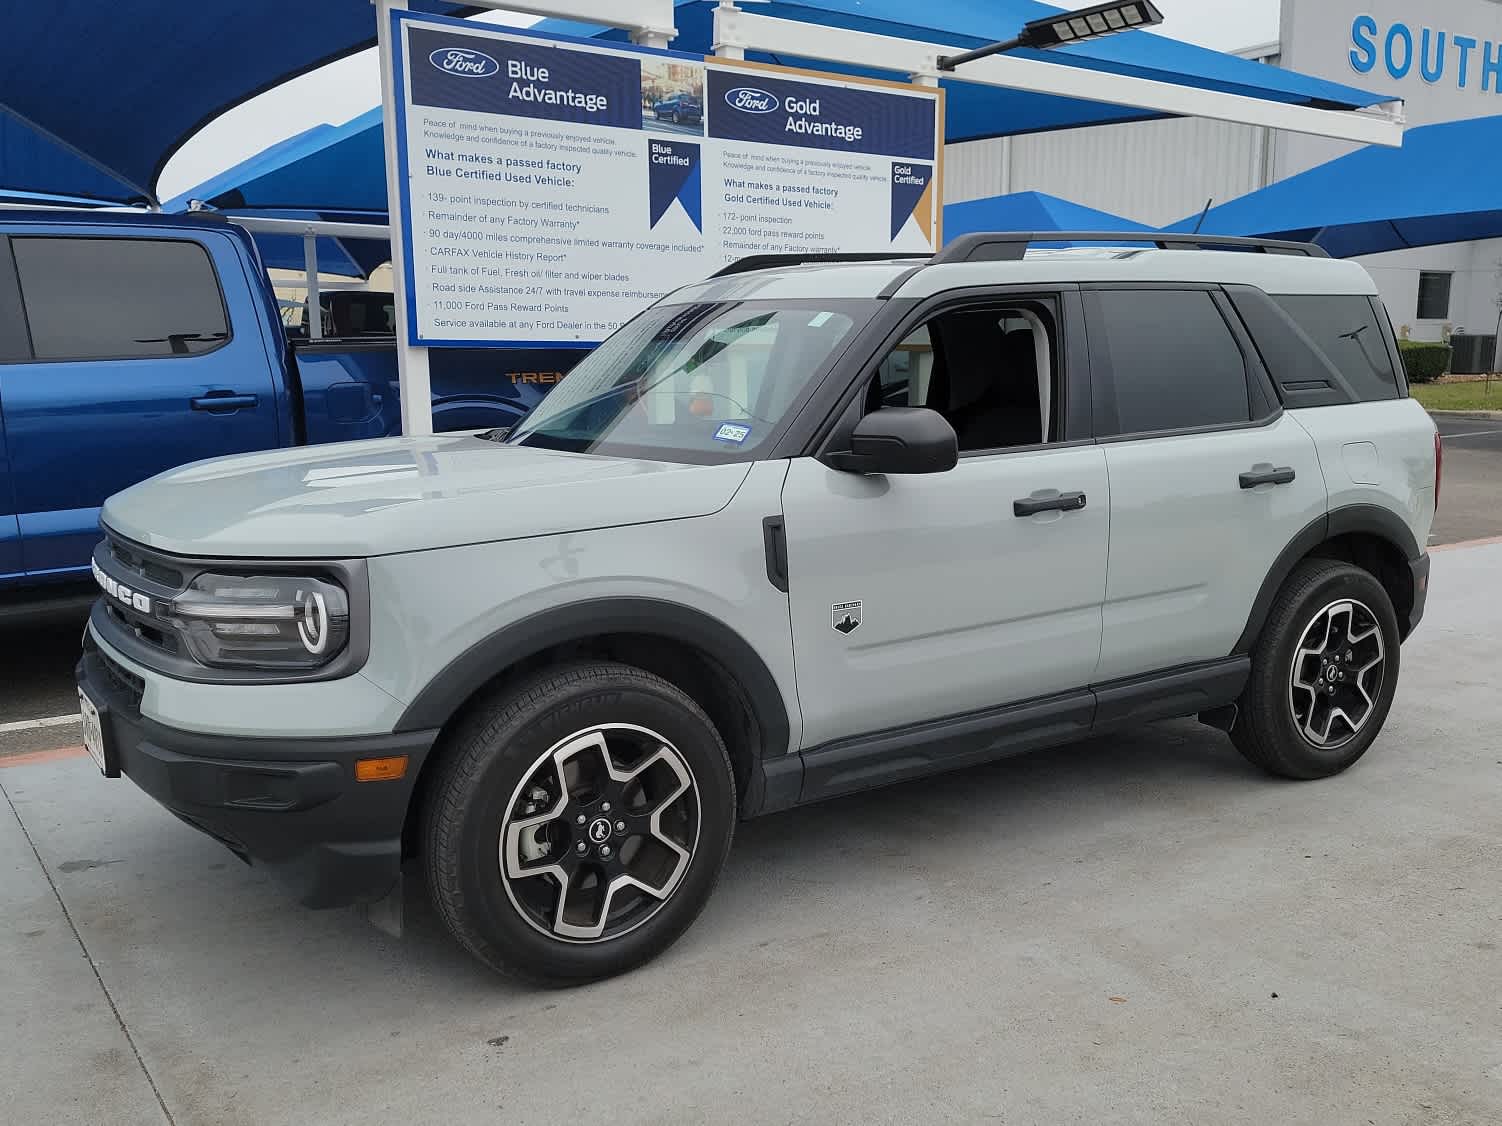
[119, 298]
[1349, 338]
[1174, 363]
[1434, 296]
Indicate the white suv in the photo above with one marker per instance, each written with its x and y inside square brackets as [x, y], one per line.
[796, 531]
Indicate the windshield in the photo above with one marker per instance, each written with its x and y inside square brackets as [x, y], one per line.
[703, 383]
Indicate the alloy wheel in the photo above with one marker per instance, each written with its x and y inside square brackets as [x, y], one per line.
[1337, 674]
[599, 833]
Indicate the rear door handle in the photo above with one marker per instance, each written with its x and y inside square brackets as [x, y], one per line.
[1057, 502]
[216, 401]
[1266, 475]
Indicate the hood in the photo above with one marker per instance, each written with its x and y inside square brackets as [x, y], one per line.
[404, 494]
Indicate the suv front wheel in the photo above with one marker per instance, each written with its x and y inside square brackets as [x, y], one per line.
[578, 823]
[1324, 671]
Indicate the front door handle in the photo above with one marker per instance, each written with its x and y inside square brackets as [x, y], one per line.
[1266, 475]
[216, 401]
[1055, 502]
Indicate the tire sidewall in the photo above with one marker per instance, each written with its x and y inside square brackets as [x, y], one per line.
[1281, 644]
[511, 754]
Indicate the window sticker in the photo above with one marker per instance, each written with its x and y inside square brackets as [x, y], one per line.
[732, 432]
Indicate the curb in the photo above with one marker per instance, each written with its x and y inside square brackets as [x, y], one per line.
[1466, 414]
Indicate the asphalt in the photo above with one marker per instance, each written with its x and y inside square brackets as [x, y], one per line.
[1470, 503]
[1139, 928]
[36, 660]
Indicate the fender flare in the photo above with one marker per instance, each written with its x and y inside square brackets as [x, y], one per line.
[443, 696]
[1364, 518]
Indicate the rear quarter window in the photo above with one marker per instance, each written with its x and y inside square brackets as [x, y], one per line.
[1321, 350]
[1346, 331]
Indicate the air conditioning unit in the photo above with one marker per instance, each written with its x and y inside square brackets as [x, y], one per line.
[1473, 355]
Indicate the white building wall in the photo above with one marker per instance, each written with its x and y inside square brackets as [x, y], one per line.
[1477, 270]
[1155, 172]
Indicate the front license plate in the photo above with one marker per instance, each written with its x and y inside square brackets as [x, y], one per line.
[93, 736]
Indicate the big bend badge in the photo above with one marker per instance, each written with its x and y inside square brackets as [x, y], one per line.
[845, 617]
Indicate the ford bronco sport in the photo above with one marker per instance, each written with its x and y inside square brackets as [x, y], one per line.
[799, 530]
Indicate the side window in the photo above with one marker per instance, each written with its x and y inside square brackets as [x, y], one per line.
[992, 372]
[119, 298]
[1174, 363]
[1346, 331]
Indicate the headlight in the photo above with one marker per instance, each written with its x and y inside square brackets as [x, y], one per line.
[262, 621]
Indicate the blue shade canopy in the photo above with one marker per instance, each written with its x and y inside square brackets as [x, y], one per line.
[327, 166]
[120, 86]
[1440, 187]
[148, 76]
[1030, 211]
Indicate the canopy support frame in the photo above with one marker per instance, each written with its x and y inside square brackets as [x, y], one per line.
[743, 30]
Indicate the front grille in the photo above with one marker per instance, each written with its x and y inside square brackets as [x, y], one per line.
[145, 629]
[141, 563]
[123, 682]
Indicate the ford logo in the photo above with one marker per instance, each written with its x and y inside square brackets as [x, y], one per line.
[752, 100]
[458, 60]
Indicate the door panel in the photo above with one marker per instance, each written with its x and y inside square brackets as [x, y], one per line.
[963, 605]
[1190, 547]
[82, 429]
[10, 527]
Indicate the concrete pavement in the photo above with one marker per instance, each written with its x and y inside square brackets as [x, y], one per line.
[1140, 928]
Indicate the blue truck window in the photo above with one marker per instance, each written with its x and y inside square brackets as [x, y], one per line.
[118, 298]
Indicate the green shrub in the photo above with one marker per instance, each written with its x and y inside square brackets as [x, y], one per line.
[1424, 360]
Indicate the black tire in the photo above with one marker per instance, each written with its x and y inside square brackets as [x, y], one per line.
[481, 771]
[1268, 730]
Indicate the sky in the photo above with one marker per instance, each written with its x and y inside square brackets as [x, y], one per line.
[342, 90]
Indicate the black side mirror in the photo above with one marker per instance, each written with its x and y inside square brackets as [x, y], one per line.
[899, 440]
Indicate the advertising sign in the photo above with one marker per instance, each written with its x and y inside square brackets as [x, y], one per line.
[553, 188]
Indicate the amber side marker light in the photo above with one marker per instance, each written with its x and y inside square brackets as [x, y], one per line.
[381, 769]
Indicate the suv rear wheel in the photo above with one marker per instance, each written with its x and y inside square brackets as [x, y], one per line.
[1323, 673]
[578, 823]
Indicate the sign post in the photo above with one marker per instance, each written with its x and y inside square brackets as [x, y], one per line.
[414, 382]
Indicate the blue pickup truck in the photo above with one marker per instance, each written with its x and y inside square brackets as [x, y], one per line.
[131, 343]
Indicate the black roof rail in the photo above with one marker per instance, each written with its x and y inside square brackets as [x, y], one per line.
[1011, 246]
[812, 258]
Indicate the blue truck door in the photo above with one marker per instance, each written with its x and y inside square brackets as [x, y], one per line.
[13, 346]
[146, 352]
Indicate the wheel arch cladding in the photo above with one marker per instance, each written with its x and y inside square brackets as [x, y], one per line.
[1374, 539]
[700, 654]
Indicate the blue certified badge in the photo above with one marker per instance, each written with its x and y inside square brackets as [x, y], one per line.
[732, 432]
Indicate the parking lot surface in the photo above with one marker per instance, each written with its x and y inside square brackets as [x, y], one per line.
[1471, 497]
[1139, 928]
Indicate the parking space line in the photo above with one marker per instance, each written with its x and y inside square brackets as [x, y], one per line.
[36, 724]
[1466, 544]
[33, 758]
[1473, 434]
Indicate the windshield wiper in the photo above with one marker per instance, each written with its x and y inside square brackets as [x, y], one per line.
[496, 435]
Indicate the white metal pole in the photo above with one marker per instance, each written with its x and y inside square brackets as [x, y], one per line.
[724, 17]
[315, 305]
[411, 362]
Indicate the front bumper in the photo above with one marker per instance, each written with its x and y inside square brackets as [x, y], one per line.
[291, 805]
